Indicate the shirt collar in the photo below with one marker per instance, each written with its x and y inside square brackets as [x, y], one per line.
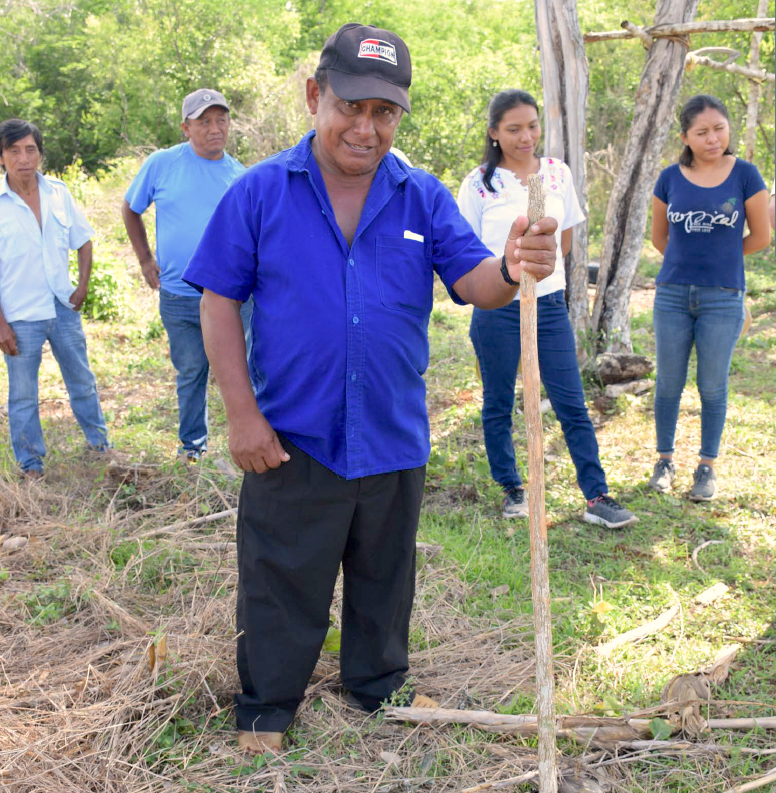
[43, 184]
[301, 153]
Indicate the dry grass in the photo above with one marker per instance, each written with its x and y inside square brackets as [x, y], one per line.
[82, 711]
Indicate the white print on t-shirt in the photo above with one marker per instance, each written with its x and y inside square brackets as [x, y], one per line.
[704, 222]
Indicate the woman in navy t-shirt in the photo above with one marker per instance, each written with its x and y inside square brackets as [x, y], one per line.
[698, 212]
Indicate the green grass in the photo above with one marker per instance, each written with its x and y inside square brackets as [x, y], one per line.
[639, 572]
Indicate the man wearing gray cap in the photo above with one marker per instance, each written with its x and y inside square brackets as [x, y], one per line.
[186, 182]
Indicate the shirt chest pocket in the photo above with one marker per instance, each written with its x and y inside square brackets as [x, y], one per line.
[405, 276]
[60, 229]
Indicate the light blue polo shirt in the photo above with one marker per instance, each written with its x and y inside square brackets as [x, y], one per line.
[186, 189]
[340, 332]
[34, 268]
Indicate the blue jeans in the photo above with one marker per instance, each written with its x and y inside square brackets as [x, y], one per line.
[710, 317]
[66, 336]
[495, 334]
[180, 317]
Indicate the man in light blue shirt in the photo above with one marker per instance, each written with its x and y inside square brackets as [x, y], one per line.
[185, 182]
[39, 224]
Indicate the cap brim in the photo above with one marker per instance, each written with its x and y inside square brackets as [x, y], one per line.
[355, 87]
[200, 110]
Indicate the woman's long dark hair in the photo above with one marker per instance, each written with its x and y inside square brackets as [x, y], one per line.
[692, 107]
[499, 105]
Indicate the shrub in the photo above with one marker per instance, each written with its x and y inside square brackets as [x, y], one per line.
[108, 285]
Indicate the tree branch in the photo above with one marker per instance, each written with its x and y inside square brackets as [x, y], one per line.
[683, 28]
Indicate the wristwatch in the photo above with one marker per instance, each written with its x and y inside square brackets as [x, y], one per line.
[505, 273]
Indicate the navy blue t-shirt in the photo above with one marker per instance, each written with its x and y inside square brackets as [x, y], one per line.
[706, 227]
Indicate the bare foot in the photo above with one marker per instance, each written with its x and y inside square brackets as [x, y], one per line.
[258, 743]
[422, 701]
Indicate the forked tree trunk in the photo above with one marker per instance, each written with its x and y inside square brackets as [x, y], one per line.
[754, 87]
[565, 87]
[626, 212]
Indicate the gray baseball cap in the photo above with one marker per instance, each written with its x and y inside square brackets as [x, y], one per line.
[197, 102]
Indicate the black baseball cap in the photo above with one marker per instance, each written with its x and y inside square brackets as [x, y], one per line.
[365, 62]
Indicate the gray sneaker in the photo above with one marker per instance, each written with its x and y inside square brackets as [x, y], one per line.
[605, 511]
[704, 484]
[663, 476]
[515, 504]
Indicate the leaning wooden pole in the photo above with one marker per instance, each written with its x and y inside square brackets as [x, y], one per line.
[540, 572]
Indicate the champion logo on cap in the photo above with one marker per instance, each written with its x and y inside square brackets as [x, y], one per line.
[378, 49]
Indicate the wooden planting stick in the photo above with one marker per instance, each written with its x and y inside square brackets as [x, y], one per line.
[540, 572]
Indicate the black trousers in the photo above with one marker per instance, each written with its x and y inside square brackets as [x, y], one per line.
[295, 525]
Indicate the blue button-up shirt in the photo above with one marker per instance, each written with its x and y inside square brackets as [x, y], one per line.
[340, 332]
[33, 259]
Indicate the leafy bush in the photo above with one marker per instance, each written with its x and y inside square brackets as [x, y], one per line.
[108, 286]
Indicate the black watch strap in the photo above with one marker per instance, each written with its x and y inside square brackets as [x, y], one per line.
[505, 273]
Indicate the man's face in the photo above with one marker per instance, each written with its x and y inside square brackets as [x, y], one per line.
[21, 159]
[351, 137]
[208, 133]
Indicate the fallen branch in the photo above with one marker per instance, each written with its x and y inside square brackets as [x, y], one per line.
[602, 729]
[755, 783]
[708, 596]
[428, 549]
[599, 730]
[502, 783]
[185, 524]
[638, 633]
[222, 547]
[686, 746]
[762, 723]
[718, 670]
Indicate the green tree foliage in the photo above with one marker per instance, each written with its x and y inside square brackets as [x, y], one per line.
[106, 77]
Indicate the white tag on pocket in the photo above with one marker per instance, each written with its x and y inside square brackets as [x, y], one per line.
[411, 235]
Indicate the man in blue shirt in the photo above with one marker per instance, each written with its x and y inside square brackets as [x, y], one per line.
[338, 242]
[39, 224]
[185, 182]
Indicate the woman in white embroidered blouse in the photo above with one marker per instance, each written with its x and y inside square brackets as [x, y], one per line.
[489, 198]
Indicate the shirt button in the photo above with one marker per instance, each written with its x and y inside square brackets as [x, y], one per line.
[351, 262]
[354, 377]
[356, 320]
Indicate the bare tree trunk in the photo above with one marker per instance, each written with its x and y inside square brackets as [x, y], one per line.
[754, 87]
[626, 212]
[565, 87]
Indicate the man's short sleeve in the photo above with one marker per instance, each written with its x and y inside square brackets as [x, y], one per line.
[456, 248]
[140, 194]
[80, 229]
[225, 260]
[572, 211]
